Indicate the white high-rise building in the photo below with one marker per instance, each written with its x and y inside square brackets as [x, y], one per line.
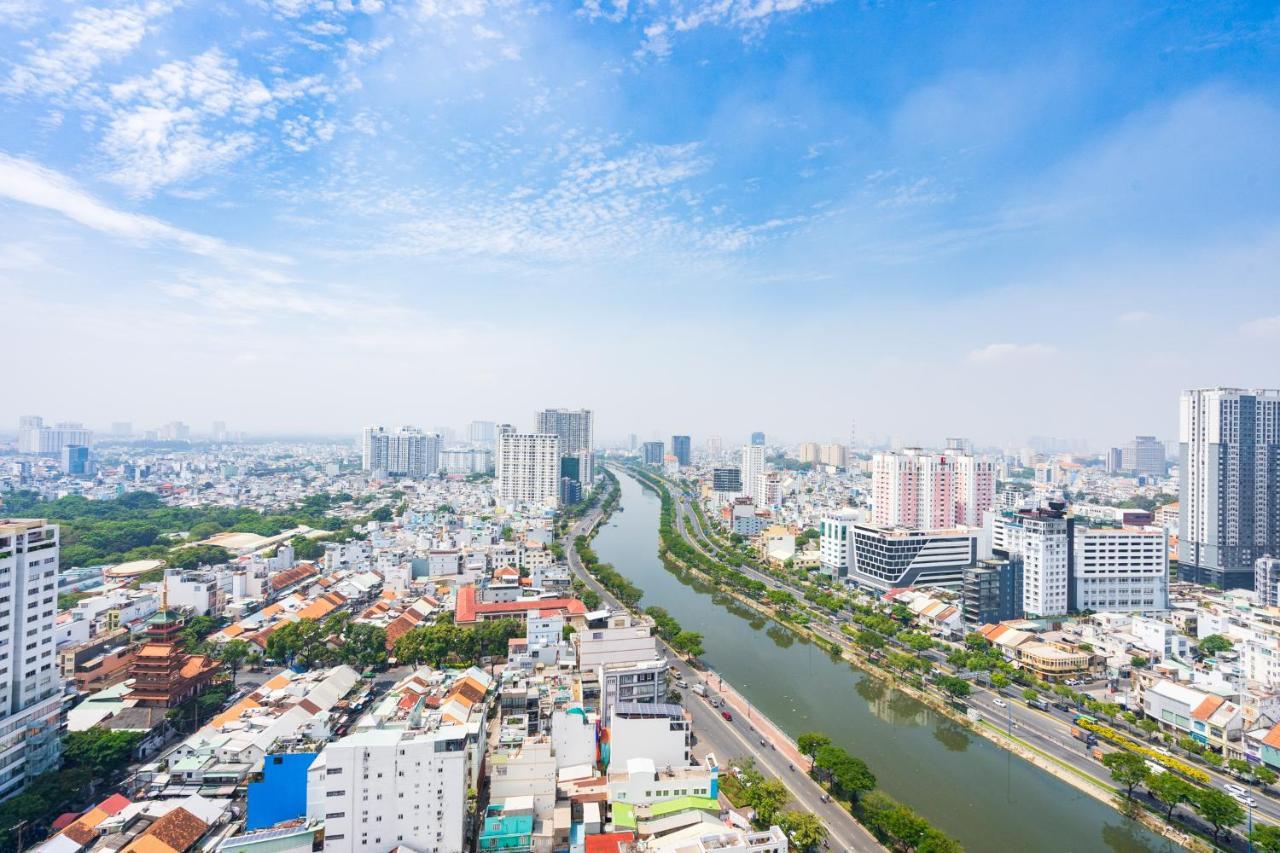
[1042, 539]
[481, 432]
[1229, 484]
[35, 437]
[752, 469]
[920, 490]
[575, 429]
[528, 468]
[382, 789]
[1121, 569]
[407, 452]
[30, 682]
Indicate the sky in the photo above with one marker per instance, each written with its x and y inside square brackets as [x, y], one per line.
[692, 216]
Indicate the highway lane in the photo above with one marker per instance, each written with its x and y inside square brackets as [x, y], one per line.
[730, 739]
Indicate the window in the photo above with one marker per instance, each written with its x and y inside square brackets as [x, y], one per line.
[336, 794]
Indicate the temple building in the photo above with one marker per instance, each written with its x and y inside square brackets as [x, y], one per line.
[164, 676]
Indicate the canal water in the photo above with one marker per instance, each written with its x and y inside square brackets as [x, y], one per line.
[984, 796]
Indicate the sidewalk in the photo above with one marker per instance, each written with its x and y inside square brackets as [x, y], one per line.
[763, 724]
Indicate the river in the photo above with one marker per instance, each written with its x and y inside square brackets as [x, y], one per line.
[984, 796]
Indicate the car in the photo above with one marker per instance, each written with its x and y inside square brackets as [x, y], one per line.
[1234, 790]
[999, 703]
[727, 716]
[680, 682]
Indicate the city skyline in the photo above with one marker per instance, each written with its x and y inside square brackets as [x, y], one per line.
[267, 202]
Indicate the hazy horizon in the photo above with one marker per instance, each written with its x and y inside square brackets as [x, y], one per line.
[690, 216]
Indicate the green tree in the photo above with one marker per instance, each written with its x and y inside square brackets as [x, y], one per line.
[1266, 837]
[193, 556]
[869, 640]
[1214, 644]
[233, 653]
[1265, 775]
[1219, 810]
[999, 680]
[806, 830]
[105, 753]
[1171, 790]
[1127, 769]
[1138, 662]
[810, 742]
[688, 642]
[1029, 693]
[767, 797]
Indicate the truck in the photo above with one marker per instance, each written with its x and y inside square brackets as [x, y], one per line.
[1089, 738]
[1038, 703]
[701, 690]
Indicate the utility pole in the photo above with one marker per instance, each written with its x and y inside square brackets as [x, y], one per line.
[20, 827]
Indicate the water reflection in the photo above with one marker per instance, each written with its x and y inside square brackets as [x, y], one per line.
[782, 637]
[952, 736]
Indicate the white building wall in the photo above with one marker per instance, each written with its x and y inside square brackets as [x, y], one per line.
[386, 788]
[528, 469]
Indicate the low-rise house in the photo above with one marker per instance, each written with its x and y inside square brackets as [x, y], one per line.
[1210, 719]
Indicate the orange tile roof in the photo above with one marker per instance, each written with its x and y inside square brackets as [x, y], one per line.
[317, 609]
[177, 831]
[233, 713]
[235, 629]
[1272, 738]
[277, 682]
[1206, 708]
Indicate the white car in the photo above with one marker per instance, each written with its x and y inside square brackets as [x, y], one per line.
[680, 682]
[1245, 800]
[999, 703]
[1234, 790]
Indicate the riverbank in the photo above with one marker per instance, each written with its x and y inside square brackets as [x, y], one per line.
[1086, 784]
[729, 739]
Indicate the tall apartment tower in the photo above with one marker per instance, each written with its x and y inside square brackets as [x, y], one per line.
[527, 467]
[680, 448]
[480, 432]
[30, 682]
[752, 468]
[575, 428]
[407, 452]
[1144, 455]
[1228, 484]
[35, 437]
[652, 452]
[1045, 541]
[916, 489]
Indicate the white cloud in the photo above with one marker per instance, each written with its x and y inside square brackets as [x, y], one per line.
[30, 183]
[96, 36]
[675, 16]
[1005, 353]
[1262, 327]
[190, 117]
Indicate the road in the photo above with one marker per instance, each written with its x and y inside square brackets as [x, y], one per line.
[1049, 732]
[730, 739]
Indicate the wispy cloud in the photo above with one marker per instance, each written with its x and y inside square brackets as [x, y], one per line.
[663, 20]
[993, 354]
[189, 117]
[1262, 327]
[30, 183]
[96, 36]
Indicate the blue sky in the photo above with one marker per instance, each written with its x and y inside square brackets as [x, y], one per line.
[706, 216]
